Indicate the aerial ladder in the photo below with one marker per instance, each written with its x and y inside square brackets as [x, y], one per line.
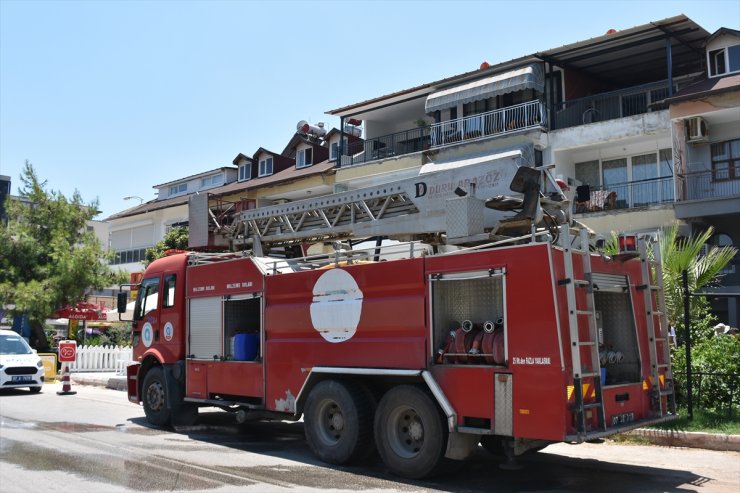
[465, 202]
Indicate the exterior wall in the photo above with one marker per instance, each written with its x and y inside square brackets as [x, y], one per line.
[359, 176]
[638, 126]
[159, 221]
[632, 220]
[705, 106]
[194, 184]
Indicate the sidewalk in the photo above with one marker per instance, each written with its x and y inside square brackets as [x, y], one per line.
[110, 380]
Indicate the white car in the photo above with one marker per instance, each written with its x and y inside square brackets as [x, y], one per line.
[20, 366]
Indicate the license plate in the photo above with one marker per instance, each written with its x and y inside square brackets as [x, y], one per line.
[620, 419]
[21, 378]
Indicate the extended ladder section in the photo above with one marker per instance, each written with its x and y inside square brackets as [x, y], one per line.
[662, 394]
[331, 217]
[584, 349]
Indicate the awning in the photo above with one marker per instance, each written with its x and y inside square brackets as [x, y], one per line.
[529, 77]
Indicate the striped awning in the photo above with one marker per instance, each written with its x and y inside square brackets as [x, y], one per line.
[529, 77]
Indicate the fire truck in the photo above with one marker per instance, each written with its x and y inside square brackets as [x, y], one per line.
[499, 322]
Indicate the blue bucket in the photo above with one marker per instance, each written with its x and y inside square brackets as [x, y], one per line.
[246, 346]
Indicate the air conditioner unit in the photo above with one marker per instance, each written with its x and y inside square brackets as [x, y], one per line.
[697, 129]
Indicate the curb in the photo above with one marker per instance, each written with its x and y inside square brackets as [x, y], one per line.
[692, 439]
[114, 383]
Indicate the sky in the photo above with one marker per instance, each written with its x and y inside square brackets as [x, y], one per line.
[110, 98]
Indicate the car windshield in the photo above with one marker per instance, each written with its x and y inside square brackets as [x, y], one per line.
[13, 345]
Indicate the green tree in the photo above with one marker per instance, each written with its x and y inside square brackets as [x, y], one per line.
[680, 254]
[48, 257]
[175, 239]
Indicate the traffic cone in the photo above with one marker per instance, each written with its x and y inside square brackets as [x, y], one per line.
[66, 385]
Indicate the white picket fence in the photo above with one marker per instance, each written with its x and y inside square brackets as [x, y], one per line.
[101, 358]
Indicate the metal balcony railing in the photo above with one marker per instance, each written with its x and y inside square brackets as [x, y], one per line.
[497, 122]
[639, 193]
[397, 144]
[708, 184]
[610, 105]
[492, 123]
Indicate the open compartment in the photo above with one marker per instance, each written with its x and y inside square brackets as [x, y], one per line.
[468, 318]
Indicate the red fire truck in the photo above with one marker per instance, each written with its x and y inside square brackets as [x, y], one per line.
[513, 344]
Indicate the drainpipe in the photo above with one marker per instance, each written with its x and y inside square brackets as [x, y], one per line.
[669, 55]
[551, 97]
[687, 323]
[340, 150]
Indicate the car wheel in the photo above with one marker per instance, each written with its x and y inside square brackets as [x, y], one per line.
[35, 390]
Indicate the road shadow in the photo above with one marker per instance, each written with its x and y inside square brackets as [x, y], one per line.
[540, 471]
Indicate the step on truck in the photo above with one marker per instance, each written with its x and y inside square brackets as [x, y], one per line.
[513, 344]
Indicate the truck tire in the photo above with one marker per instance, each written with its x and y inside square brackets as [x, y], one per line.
[338, 422]
[154, 397]
[410, 432]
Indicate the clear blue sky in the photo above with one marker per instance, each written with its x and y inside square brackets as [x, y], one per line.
[113, 97]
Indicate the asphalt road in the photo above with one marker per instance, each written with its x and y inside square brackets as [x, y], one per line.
[96, 441]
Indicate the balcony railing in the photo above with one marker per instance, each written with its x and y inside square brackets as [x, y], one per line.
[496, 122]
[708, 185]
[639, 193]
[492, 123]
[610, 105]
[399, 143]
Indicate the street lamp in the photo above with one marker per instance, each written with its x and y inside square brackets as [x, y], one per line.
[141, 201]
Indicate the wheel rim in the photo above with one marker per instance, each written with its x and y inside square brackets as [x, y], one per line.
[155, 396]
[331, 422]
[405, 432]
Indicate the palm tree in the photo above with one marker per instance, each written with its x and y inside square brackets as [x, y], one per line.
[680, 254]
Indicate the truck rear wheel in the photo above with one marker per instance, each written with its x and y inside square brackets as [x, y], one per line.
[338, 422]
[410, 432]
[154, 393]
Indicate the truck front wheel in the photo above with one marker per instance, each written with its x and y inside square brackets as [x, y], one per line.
[154, 393]
[410, 432]
[338, 422]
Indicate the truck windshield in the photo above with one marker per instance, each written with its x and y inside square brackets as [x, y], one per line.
[147, 298]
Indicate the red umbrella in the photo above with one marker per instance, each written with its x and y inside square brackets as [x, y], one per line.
[81, 311]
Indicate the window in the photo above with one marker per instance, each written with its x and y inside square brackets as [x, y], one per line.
[169, 291]
[245, 172]
[265, 166]
[304, 158]
[147, 298]
[636, 181]
[334, 150]
[129, 256]
[178, 189]
[724, 61]
[726, 160]
[211, 181]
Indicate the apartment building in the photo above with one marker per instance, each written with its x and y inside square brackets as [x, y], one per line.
[705, 117]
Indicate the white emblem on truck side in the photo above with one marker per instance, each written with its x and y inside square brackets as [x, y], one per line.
[147, 334]
[336, 306]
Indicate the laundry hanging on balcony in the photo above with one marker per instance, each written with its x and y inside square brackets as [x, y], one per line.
[529, 77]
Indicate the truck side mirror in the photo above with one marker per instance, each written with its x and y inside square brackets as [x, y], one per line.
[121, 301]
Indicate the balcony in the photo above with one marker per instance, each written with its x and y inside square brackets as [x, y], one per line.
[482, 125]
[639, 193]
[708, 185]
[610, 105]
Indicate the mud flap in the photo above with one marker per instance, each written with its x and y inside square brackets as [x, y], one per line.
[461, 445]
[175, 390]
[132, 383]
